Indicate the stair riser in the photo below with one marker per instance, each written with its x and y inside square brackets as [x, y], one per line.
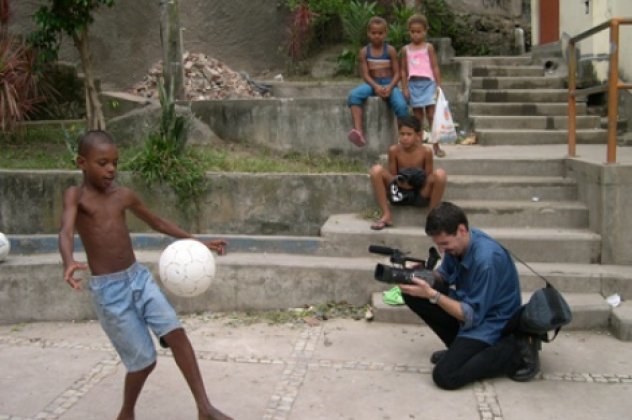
[584, 316]
[33, 296]
[530, 123]
[583, 319]
[507, 72]
[509, 217]
[499, 61]
[510, 192]
[526, 96]
[541, 109]
[517, 83]
[37, 292]
[529, 249]
[488, 138]
[508, 167]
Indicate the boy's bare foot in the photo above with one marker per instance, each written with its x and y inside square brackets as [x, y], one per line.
[213, 414]
[438, 151]
[381, 224]
[356, 137]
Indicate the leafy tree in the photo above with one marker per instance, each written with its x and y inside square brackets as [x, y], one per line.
[73, 18]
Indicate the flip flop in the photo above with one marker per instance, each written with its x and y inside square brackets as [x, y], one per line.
[356, 137]
[440, 153]
[381, 224]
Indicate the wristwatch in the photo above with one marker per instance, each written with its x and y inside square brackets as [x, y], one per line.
[435, 298]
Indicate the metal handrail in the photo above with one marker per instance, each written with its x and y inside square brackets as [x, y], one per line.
[612, 86]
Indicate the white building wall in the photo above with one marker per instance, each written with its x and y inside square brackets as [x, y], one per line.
[576, 17]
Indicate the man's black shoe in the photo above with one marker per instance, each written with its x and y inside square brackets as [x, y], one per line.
[529, 365]
[437, 355]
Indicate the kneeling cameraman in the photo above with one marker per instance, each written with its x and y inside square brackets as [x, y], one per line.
[476, 293]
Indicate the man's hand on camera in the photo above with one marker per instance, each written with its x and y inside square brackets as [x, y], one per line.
[421, 288]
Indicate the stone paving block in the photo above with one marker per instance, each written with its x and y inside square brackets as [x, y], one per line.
[545, 400]
[31, 377]
[362, 341]
[258, 340]
[232, 387]
[585, 351]
[338, 394]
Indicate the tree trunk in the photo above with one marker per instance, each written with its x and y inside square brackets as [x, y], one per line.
[94, 110]
[170, 36]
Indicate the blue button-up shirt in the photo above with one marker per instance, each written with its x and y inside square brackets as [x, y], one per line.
[486, 283]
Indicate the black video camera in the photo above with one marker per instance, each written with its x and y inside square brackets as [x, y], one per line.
[397, 273]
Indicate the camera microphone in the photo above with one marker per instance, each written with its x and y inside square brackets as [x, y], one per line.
[383, 250]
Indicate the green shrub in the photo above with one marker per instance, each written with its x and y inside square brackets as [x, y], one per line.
[164, 157]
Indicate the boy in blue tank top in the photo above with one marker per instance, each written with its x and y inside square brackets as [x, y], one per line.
[379, 67]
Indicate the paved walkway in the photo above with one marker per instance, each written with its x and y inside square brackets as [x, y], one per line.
[336, 369]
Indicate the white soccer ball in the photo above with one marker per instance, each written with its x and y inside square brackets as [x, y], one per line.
[187, 268]
[5, 247]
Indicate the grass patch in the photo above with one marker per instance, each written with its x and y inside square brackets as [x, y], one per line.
[45, 148]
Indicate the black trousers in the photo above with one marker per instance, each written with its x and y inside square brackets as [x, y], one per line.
[467, 360]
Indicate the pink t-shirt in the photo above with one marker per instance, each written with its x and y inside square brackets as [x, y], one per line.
[419, 62]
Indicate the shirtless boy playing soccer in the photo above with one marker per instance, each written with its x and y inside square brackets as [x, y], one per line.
[126, 299]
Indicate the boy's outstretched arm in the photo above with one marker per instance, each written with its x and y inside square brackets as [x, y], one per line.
[165, 226]
[66, 237]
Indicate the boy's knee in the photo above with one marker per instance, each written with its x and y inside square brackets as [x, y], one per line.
[441, 174]
[376, 170]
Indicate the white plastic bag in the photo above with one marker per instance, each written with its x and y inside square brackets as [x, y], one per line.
[443, 130]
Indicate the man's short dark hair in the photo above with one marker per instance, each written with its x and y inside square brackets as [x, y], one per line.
[92, 138]
[445, 218]
[409, 121]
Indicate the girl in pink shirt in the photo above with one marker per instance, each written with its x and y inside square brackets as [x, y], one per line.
[420, 74]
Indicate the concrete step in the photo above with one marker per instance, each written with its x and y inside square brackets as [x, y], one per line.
[312, 89]
[518, 82]
[510, 166]
[514, 213]
[533, 122]
[351, 235]
[489, 137]
[25, 245]
[518, 95]
[507, 61]
[35, 290]
[590, 311]
[507, 71]
[507, 187]
[518, 108]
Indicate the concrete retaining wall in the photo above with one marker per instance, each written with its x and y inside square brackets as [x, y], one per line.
[36, 291]
[607, 191]
[317, 125]
[243, 203]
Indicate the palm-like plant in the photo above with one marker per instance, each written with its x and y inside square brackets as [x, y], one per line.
[18, 83]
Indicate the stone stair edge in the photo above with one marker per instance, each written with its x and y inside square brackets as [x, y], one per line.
[347, 219]
[590, 310]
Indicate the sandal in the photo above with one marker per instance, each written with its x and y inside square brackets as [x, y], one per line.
[440, 153]
[356, 137]
[381, 224]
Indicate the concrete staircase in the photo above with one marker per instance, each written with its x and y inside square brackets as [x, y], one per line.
[513, 101]
[529, 205]
[499, 196]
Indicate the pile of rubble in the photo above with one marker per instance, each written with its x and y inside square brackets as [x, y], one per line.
[204, 78]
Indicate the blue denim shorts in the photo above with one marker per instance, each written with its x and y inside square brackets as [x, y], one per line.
[422, 92]
[128, 304]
